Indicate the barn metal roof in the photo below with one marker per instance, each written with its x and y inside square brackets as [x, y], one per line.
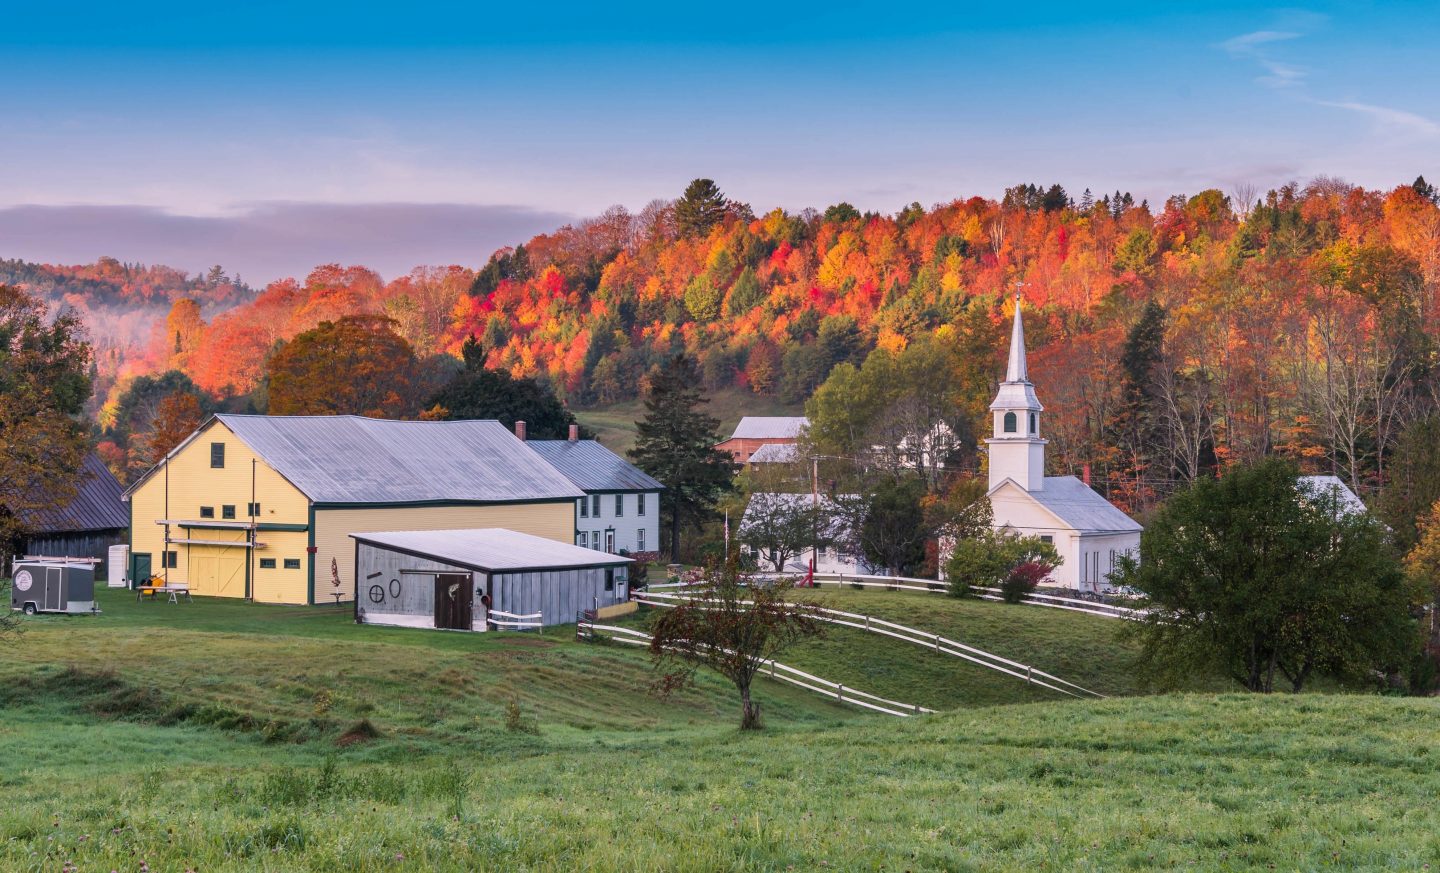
[759, 427]
[776, 453]
[593, 467]
[491, 549]
[1080, 506]
[352, 459]
[96, 505]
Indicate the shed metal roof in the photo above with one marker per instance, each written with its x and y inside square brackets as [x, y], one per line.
[1081, 507]
[1346, 500]
[352, 459]
[759, 427]
[97, 504]
[491, 549]
[593, 467]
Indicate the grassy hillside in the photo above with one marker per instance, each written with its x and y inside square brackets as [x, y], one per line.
[230, 737]
[614, 424]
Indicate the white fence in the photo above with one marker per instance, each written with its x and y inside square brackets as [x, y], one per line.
[934, 642]
[778, 671]
[931, 586]
[514, 622]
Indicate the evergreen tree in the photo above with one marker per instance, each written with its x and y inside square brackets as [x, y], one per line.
[676, 444]
[1139, 427]
[1426, 190]
[477, 392]
[700, 208]
[1414, 472]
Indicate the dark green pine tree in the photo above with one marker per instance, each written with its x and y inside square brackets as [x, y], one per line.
[476, 392]
[676, 444]
[1139, 428]
[700, 208]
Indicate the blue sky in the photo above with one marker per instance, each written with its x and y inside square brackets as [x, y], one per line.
[427, 133]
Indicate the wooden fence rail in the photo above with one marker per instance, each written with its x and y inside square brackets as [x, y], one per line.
[774, 670]
[934, 642]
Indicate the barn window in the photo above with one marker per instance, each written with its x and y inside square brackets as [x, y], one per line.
[267, 563]
[1010, 422]
[207, 512]
[639, 504]
[252, 509]
[292, 563]
[172, 560]
[227, 511]
[619, 505]
[609, 578]
[584, 507]
[217, 455]
[1034, 426]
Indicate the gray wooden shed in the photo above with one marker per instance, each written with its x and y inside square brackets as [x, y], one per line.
[479, 579]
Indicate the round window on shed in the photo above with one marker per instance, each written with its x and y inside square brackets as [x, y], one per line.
[1010, 422]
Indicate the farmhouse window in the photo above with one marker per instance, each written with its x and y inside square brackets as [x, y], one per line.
[584, 507]
[595, 540]
[640, 540]
[217, 455]
[610, 541]
[583, 540]
[619, 505]
[639, 504]
[207, 512]
[267, 563]
[227, 511]
[1010, 422]
[595, 505]
[292, 563]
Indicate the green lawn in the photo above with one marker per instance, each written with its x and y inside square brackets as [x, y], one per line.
[614, 424]
[223, 736]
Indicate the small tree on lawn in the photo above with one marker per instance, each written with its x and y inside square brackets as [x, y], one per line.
[732, 629]
[1254, 576]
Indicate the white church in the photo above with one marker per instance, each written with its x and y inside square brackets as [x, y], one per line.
[1089, 532]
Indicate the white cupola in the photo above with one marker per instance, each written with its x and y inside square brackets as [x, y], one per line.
[1016, 450]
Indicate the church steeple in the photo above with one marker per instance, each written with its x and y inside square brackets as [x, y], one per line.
[1016, 450]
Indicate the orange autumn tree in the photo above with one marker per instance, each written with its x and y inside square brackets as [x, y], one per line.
[355, 366]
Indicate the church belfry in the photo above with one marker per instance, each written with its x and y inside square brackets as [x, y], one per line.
[1016, 450]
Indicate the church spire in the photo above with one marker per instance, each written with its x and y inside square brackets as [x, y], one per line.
[1016, 371]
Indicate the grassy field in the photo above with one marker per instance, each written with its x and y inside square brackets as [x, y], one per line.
[226, 736]
[614, 424]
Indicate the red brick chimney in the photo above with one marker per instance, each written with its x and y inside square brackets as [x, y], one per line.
[1085, 474]
[520, 429]
[574, 432]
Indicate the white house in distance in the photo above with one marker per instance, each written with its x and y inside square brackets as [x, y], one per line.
[621, 507]
[1087, 530]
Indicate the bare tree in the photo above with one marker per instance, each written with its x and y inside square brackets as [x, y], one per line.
[1243, 196]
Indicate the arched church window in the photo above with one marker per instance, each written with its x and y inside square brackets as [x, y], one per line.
[1009, 422]
[1034, 428]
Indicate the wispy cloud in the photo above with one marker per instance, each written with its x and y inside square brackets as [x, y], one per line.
[1249, 43]
[1255, 47]
[1397, 120]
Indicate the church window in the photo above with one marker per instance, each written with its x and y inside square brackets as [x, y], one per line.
[1047, 538]
[1033, 427]
[1009, 422]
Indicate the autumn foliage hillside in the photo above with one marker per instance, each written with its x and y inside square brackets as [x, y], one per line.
[1302, 321]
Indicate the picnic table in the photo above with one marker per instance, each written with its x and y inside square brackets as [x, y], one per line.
[174, 591]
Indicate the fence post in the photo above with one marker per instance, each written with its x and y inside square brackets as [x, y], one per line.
[839, 691]
[937, 643]
[1028, 675]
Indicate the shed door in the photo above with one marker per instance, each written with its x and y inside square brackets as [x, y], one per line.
[217, 572]
[453, 599]
[52, 587]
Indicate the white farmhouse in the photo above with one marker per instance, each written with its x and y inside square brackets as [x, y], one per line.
[1087, 530]
[620, 512]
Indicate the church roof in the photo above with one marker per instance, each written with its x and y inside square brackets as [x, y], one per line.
[1079, 506]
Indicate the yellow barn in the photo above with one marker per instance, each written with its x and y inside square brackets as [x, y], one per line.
[262, 507]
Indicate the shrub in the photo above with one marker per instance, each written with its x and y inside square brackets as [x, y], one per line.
[991, 559]
[1023, 580]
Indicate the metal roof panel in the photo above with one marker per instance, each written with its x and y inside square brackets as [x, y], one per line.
[491, 549]
[593, 467]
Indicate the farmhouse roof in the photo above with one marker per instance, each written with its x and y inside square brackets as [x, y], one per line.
[592, 467]
[97, 504]
[1079, 506]
[491, 549]
[759, 427]
[775, 453]
[1346, 500]
[357, 460]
